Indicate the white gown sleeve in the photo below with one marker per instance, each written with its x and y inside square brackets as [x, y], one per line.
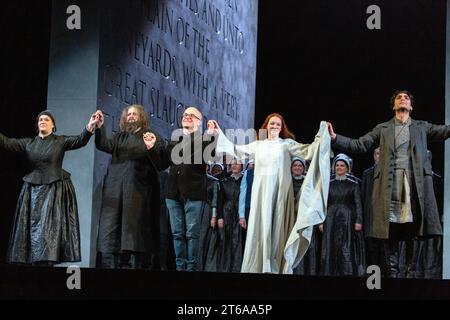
[305, 151]
[241, 152]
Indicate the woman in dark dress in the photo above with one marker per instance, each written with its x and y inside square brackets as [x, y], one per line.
[309, 265]
[343, 242]
[46, 229]
[233, 229]
[209, 244]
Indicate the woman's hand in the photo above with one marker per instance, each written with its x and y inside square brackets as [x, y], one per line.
[243, 223]
[358, 226]
[93, 121]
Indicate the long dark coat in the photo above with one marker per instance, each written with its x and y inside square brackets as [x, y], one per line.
[426, 213]
[210, 238]
[129, 219]
[232, 244]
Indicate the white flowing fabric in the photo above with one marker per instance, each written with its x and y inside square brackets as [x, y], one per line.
[272, 216]
[312, 207]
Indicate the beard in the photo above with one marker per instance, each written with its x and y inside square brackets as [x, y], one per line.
[132, 127]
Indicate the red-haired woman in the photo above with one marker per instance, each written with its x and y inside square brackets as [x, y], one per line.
[272, 225]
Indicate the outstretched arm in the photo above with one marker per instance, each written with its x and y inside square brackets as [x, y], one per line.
[224, 145]
[437, 132]
[76, 142]
[102, 142]
[13, 145]
[363, 144]
[306, 151]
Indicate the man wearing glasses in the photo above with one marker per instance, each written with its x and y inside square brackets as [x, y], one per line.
[186, 192]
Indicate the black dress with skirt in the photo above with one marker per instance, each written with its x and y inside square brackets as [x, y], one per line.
[343, 251]
[233, 234]
[46, 226]
[210, 238]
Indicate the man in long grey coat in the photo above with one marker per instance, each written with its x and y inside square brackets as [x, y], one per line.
[404, 204]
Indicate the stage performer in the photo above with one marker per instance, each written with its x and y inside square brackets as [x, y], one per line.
[276, 241]
[46, 228]
[128, 236]
[403, 200]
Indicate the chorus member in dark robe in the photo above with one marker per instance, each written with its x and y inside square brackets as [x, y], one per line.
[186, 187]
[375, 248]
[403, 200]
[166, 252]
[211, 227]
[46, 228]
[309, 265]
[298, 175]
[245, 196]
[343, 242]
[128, 235]
[234, 226]
[427, 257]
[217, 171]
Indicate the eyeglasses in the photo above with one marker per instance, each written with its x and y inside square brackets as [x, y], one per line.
[190, 115]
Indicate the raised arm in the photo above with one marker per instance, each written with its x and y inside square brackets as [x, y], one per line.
[437, 132]
[224, 145]
[76, 142]
[363, 144]
[13, 145]
[306, 151]
[156, 150]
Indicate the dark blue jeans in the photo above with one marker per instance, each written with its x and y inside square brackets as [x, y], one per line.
[185, 219]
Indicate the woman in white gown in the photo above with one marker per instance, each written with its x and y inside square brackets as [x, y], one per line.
[274, 227]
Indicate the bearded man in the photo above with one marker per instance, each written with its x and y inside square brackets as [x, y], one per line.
[129, 219]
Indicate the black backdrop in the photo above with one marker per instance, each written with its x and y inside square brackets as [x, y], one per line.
[316, 61]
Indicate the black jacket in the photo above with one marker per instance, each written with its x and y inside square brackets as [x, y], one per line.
[187, 173]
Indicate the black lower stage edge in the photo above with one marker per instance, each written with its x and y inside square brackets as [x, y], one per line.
[21, 282]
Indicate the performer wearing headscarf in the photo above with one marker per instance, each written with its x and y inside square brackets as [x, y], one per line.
[309, 265]
[46, 228]
[234, 226]
[342, 241]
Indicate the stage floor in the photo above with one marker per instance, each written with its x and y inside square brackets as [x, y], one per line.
[51, 283]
